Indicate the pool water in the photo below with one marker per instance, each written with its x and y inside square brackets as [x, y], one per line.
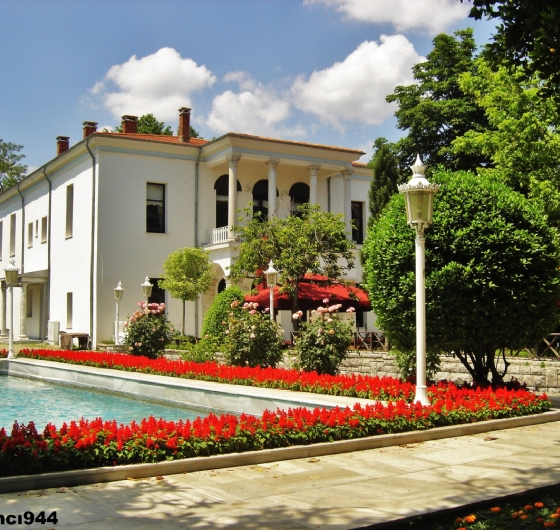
[26, 400]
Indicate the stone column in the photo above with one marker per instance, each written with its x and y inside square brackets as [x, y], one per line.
[313, 168]
[3, 331]
[347, 175]
[272, 164]
[23, 313]
[232, 159]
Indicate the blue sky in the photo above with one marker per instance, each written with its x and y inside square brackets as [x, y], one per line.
[309, 70]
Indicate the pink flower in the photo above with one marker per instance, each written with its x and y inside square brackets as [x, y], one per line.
[325, 300]
[350, 310]
[252, 335]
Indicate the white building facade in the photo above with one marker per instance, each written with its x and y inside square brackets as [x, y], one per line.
[113, 206]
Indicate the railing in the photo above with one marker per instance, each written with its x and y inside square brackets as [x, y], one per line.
[219, 235]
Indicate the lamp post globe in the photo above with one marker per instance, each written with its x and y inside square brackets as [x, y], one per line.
[119, 291]
[419, 199]
[11, 272]
[271, 280]
[147, 290]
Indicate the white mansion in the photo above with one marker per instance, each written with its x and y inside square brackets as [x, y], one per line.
[113, 206]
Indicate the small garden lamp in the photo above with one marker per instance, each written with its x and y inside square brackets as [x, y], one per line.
[419, 198]
[11, 272]
[147, 290]
[271, 279]
[119, 291]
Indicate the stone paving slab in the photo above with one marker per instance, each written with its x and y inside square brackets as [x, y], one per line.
[339, 491]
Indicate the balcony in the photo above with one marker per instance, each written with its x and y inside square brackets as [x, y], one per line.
[219, 235]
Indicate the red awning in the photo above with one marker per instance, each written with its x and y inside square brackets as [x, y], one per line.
[313, 289]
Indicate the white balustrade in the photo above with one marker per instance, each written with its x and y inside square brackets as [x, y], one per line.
[220, 235]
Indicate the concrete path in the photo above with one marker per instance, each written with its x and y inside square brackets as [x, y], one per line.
[342, 491]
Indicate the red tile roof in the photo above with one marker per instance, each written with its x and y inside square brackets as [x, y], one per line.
[155, 138]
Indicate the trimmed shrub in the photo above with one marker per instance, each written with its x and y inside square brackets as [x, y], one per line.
[217, 316]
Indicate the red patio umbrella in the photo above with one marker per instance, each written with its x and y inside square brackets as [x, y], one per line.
[313, 289]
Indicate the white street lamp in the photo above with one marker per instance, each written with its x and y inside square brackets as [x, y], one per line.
[271, 279]
[147, 290]
[11, 272]
[419, 197]
[119, 291]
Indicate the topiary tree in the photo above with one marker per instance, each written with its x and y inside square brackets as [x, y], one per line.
[217, 316]
[492, 278]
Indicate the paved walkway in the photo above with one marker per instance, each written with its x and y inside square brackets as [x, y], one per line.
[342, 491]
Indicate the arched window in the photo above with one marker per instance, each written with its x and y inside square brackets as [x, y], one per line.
[222, 285]
[222, 194]
[260, 199]
[299, 194]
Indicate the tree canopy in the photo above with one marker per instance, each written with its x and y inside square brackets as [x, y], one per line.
[435, 110]
[492, 278]
[188, 273]
[523, 140]
[527, 35]
[11, 171]
[310, 242]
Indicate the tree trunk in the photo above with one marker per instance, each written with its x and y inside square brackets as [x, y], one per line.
[183, 323]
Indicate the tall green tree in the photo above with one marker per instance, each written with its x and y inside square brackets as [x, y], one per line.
[310, 242]
[149, 124]
[523, 140]
[435, 110]
[11, 171]
[386, 177]
[188, 273]
[492, 277]
[527, 36]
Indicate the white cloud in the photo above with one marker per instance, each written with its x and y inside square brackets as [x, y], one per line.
[258, 110]
[159, 84]
[243, 79]
[433, 16]
[355, 89]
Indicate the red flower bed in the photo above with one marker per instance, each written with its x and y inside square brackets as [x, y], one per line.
[368, 387]
[84, 443]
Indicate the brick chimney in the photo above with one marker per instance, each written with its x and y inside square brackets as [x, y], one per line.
[184, 124]
[130, 124]
[62, 144]
[89, 128]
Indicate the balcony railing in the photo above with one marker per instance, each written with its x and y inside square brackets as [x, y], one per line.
[219, 235]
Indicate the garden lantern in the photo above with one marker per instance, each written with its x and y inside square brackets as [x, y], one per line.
[147, 290]
[11, 272]
[119, 291]
[271, 279]
[419, 198]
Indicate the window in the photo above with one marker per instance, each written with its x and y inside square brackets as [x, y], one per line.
[260, 200]
[1, 237]
[158, 294]
[222, 285]
[37, 228]
[30, 235]
[358, 222]
[69, 210]
[155, 208]
[12, 235]
[44, 227]
[299, 194]
[222, 196]
[69, 308]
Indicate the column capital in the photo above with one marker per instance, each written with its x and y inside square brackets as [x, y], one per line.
[232, 159]
[347, 173]
[272, 163]
[313, 168]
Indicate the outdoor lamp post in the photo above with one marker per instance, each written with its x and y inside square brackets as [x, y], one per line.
[147, 290]
[419, 197]
[271, 278]
[119, 291]
[11, 272]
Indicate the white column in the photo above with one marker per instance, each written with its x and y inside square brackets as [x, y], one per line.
[347, 175]
[3, 332]
[313, 168]
[421, 389]
[272, 164]
[232, 159]
[23, 313]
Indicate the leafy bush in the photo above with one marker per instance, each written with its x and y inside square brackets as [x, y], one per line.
[148, 330]
[252, 338]
[203, 351]
[406, 361]
[219, 311]
[322, 344]
[492, 278]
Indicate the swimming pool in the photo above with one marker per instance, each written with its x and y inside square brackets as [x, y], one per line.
[26, 400]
